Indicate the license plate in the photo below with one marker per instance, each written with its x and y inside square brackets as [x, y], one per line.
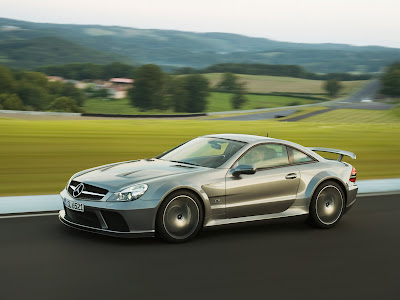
[74, 205]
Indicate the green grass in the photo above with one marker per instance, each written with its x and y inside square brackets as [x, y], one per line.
[270, 84]
[221, 102]
[216, 102]
[38, 157]
[117, 106]
[354, 116]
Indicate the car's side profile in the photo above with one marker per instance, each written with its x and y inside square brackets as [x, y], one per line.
[208, 181]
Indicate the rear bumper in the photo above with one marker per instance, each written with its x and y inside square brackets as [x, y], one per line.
[130, 234]
[351, 197]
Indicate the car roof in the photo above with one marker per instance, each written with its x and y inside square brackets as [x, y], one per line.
[246, 138]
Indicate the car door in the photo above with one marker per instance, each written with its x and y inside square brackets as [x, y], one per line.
[272, 189]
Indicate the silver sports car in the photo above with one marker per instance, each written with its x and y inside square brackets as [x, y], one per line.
[208, 181]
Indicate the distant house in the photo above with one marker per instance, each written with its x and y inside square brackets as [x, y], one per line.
[55, 78]
[121, 81]
[119, 87]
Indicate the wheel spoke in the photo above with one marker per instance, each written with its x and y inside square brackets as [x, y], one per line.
[329, 205]
[181, 217]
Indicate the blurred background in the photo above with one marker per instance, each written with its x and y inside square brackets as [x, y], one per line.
[319, 73]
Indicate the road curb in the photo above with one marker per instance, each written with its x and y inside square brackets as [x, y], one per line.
[45, 204]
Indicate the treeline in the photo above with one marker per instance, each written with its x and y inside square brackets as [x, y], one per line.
[28, 90]
[271, 70]
[391, 80]
[81, 71]
[25, 52]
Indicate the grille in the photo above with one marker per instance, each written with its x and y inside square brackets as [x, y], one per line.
[114, 221]
[90, 192]
[86, 218]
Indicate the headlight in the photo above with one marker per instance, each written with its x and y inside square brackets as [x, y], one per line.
[132, 193]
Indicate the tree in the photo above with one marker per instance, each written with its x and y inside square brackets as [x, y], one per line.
[177, 96]
[65, 104]
[7, 80]
[35, 78]
[228, 82]
[11, 102]
[150, 88]
[33, 95]
[332, 86]
[196, 87]
[391, 81]
[238, 98]
[69, 90]
[55, 87]
[117, 69]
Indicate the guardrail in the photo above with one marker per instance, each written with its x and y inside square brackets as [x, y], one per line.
[49, 113]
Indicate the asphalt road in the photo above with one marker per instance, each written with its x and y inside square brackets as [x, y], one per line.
[260, 116]
[353, 101]
[358, 259]
[367, 92]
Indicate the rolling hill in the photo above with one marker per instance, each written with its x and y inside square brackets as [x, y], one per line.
[41, 51]
[177, 48]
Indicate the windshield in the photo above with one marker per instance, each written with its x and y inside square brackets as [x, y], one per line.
[204, 152]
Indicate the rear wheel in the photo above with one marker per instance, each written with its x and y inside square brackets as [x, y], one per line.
[180, 217]
[327, 205]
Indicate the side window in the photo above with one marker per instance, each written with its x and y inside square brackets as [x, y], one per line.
[265, 156]
[300, 157]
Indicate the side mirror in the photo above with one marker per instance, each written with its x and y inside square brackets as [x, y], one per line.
[243, 169]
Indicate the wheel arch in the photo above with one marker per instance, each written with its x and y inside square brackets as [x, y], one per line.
[319, 179]
[183, 189]
[336, 180]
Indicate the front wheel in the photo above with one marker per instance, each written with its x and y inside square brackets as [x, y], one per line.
[327, 205]
[179, 218]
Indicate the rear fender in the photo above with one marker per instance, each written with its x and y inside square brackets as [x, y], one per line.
[318, 179]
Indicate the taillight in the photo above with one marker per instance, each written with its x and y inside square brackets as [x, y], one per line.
[353, 175]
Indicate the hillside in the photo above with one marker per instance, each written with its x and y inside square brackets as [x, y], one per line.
[41, 51]
[178, 48]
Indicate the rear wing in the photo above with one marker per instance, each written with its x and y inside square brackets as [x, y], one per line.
[337, 151]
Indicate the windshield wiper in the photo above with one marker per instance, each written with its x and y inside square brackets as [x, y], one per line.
[183, 162]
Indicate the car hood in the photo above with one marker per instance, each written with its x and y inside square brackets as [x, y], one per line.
[117, 176]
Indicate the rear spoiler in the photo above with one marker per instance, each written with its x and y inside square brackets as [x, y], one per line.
[337, 151]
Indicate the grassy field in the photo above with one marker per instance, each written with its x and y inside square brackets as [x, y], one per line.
[118, 106]
[354, 116]
[220, 101]
[216, 102]
[269, 84]
[38, 157]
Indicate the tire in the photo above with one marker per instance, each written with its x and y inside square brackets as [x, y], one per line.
[180, 217]
[327, 205]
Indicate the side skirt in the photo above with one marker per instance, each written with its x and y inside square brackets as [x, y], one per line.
[291, 212]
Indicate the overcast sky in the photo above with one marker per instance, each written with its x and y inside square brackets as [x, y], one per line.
[356, 22]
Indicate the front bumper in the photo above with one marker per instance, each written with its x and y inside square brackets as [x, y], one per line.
[120, 219]
[128, 234]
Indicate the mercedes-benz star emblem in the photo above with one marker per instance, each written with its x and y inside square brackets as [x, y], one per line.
[78, 190]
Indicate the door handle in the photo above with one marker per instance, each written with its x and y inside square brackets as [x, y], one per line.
[291, 176]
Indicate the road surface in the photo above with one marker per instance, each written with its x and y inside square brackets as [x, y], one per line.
[353, 101]
[358, 259]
